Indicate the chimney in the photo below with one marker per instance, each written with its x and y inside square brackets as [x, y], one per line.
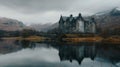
[71, 15]
[80, 15]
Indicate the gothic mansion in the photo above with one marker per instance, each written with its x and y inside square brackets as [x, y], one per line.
[77, 24]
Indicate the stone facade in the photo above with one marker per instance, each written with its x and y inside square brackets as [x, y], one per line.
[77, 24]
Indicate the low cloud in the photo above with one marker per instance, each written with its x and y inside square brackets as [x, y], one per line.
[44, 11]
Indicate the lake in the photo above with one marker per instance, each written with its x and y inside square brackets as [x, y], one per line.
[14, 53]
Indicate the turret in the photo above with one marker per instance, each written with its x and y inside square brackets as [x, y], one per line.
[61, 17]
[71, 15]
[79, 15]
[93, 20]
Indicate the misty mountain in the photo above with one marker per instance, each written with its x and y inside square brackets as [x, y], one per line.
[44, 27]
[108, 20]
[8, 24]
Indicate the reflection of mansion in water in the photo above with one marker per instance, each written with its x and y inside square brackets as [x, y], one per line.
[77, 53]
[77, 24]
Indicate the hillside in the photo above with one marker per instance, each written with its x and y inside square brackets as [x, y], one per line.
[7, 24]
[44, 27]
[108, 21]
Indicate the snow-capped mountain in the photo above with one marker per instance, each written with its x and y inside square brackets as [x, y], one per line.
[109, 12]
[108, 20]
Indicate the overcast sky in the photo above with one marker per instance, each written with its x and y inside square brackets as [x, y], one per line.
[49, 11]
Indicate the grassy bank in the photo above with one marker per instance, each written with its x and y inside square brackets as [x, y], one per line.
[114, 40]
[111, 39]
[84, 39]
[30, 38]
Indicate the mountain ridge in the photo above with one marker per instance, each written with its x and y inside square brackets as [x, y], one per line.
[109, 22]
[8, 24]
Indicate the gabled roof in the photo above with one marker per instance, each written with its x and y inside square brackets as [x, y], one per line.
[64, 18]
[71, 18]
[75, 17]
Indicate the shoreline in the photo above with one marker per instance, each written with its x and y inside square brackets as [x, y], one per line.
[67, 39]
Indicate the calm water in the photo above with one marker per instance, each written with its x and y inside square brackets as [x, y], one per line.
[29, 54]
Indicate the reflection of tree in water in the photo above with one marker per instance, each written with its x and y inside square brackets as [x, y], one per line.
[110, 52]
[8, 46]
[27, 44]
[81, 51]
